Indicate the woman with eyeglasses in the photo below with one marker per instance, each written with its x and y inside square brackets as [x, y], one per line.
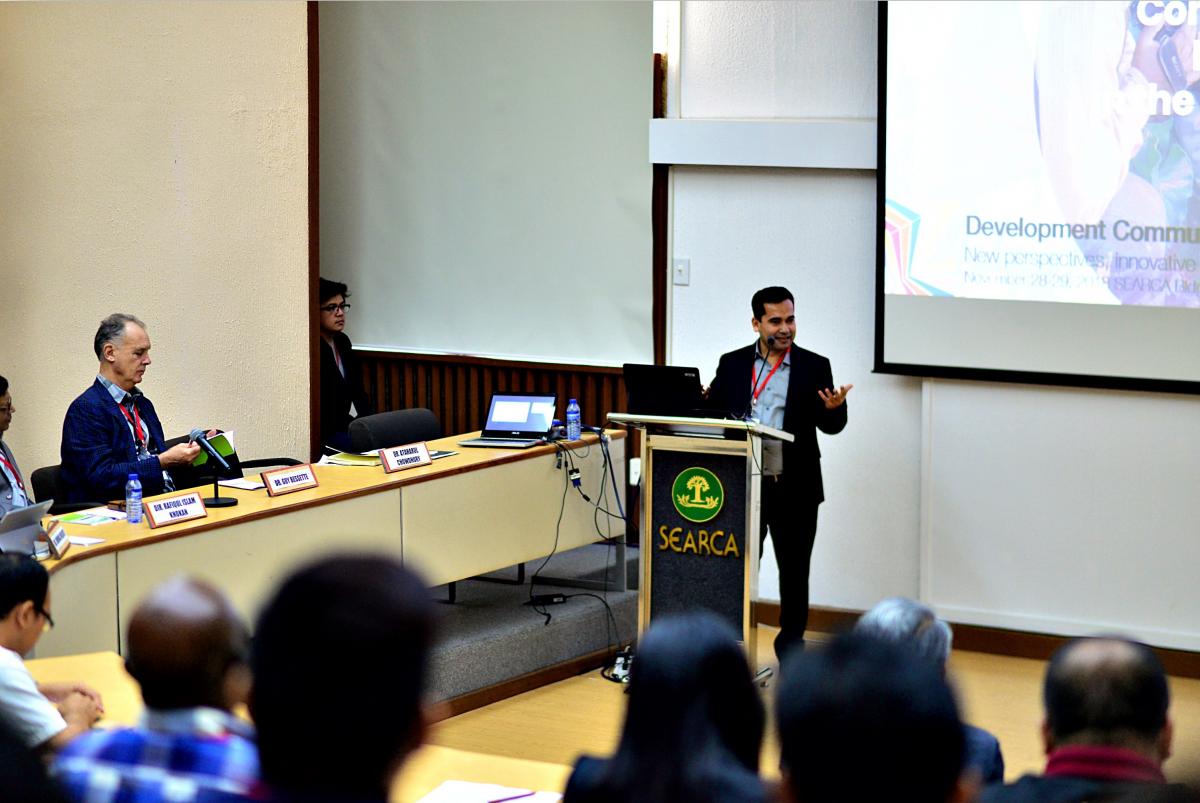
[13, 492]
[342, 396]
[693, 726]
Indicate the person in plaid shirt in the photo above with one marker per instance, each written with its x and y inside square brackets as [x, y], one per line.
[187, 649]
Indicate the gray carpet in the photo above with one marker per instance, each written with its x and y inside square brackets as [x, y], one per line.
[488, 636]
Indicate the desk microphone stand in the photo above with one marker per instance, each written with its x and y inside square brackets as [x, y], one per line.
[217, 500]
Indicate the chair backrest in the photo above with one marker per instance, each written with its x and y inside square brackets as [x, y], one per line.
[396, 428]
[46, 481]
[47, 484]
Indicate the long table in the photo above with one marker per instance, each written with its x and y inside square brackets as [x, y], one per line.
[424, 770]
[473, 512]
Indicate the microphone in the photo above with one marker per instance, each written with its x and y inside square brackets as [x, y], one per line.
[197, 436]
[758, 376]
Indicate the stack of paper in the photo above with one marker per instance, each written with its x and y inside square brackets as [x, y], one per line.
[468, 792]
[351, 459]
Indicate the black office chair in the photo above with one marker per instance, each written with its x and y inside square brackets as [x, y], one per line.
[397, 428]
[47, 484]
[401, 427]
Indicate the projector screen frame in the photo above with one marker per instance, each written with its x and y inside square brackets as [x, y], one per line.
[883, 366]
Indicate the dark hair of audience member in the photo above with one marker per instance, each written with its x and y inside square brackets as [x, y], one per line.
[768, 295]
[3, 386]
[867, 719]
[23, 774]
[339, 664]
[1105, 690]
[21, 579]
[693, 710]
[327, 289]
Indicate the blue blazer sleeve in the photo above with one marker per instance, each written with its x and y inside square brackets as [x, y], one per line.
[98, 453]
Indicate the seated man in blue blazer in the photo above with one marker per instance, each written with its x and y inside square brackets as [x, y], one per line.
[111, 429]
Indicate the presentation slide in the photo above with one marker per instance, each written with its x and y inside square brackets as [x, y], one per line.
[1039, 182]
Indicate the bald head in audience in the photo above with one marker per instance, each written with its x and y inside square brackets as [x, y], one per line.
[187, 647]
[1107, 691]
[1106, 730]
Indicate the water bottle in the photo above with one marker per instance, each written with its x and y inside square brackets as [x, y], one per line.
[573, 418]
[133, 499]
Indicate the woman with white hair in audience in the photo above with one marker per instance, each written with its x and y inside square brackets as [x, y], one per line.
[906, 621]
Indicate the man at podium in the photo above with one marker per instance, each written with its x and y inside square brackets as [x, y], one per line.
[789, 388]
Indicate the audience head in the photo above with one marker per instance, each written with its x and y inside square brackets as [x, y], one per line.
[1110, 691]
[6, 408]
[768, 295]
[692, 707]
[123, 348]
[862, 702]
[187, 647]
[333, 305]
[349, 622]
[905, 621]
[24, 602]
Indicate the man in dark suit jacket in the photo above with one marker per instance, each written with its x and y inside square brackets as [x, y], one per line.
[111, 430]
[789, 388]
[342, 395]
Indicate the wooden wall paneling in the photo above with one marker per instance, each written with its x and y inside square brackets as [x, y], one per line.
[457, 388]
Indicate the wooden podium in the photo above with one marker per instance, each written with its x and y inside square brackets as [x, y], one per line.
[700, 517]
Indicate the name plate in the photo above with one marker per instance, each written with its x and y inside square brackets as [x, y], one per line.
[58, 539]
[174, 509]
[286, 480]
[398, 458]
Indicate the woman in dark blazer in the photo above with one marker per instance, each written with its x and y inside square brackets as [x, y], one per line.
[693, 727]
[342, 396]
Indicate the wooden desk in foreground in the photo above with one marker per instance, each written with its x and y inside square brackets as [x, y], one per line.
[473, 512]
[421, 774]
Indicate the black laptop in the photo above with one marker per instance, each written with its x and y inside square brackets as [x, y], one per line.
[516, 421]
[666, 390]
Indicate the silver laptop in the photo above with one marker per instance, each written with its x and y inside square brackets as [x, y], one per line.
[516, 421]
[21, 526]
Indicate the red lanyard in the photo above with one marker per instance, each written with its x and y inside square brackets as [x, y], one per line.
[135, 421]
[771, 373]
[12, 470]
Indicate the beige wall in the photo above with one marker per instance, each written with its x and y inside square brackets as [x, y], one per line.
[154, 160]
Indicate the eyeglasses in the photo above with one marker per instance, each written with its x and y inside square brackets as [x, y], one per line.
[335, 307]
[49, 619]
[9, 409]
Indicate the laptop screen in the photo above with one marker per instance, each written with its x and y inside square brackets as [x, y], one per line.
[519, 415]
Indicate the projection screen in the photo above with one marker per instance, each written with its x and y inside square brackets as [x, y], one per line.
[1039, 218]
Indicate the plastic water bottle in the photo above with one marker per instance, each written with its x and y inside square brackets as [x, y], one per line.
[573, 419]
[133, 499]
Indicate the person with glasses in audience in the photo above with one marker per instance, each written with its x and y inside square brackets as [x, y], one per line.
[13, 493]
[45, 716]
[342, 395]
[693, 727]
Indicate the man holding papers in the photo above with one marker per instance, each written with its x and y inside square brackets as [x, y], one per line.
[111, 430]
